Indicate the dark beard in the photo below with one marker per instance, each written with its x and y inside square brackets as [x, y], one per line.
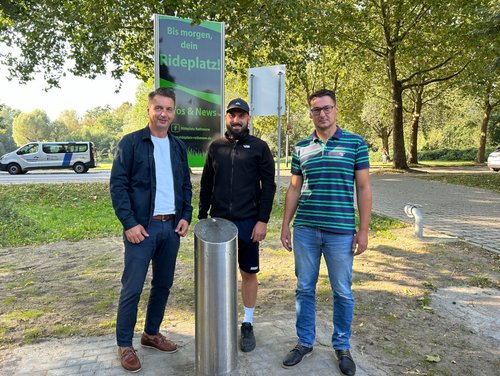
[237, 135]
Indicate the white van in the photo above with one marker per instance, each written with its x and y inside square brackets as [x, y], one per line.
[80, 156]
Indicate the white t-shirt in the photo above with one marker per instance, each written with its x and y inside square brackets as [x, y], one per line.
[165, 197]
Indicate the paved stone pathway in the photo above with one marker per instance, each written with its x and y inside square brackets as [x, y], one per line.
[471, 214]
[98, 355]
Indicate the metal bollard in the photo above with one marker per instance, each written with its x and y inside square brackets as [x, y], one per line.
[215, 297]
[413, 211]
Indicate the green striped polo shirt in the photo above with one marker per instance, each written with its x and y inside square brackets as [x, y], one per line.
[327, 196]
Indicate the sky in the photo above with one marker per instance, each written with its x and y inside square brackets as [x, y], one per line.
[75, 93]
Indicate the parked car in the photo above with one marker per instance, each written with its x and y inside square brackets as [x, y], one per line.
[80, 156]
[494, 160]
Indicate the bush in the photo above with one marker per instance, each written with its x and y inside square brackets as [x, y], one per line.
[450, 154]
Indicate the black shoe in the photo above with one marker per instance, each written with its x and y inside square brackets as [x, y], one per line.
[295, 356]
[247, 339]
[346, 363]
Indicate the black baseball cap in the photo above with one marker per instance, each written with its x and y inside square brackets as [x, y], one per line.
[239, 104]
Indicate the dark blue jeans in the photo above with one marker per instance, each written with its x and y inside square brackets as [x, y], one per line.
[160, 248]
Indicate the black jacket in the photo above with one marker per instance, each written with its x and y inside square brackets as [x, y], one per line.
[238, 180]
[133, 179]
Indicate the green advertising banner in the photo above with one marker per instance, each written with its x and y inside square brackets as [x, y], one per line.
[190, 59]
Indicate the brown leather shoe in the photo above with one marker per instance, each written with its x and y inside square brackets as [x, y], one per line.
[158, 342]
[129, 359]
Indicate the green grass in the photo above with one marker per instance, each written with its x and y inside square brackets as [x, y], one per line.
[391, 317]
[481, 281]
[98, 263]
[379, 164]
[3, 330]
[40, 214]
[7, 268]
[430, 286]
[488, 180]
[32, 334]
[445, 163]
[22, 315]
[425, 300]
[103, 166]
[381, 226]
[37, 214]
[63, 330]
[9, 300]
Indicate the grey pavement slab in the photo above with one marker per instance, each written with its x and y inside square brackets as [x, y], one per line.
[98, 355]
[469, 214]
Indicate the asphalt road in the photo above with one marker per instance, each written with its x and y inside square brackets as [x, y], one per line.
[54, 177]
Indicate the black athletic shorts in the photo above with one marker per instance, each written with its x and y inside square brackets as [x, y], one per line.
[248, 251]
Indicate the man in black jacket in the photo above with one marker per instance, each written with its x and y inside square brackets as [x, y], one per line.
[238, 184]
[151, 194]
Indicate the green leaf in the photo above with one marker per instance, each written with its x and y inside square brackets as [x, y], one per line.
[433, 358]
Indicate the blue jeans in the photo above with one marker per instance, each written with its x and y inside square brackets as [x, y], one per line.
[309, 244]
[160, 248]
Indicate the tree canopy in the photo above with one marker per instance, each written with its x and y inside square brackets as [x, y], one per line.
[373, 52]
[33, 126]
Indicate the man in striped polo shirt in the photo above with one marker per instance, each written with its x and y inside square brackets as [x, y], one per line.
[326, 168]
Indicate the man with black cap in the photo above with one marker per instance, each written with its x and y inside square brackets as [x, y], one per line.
[238, 184]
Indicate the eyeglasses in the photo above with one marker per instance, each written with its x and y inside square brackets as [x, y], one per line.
[317, 110]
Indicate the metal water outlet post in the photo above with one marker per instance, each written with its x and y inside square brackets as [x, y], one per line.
[413, 211]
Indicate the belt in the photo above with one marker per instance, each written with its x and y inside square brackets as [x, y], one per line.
[163, 217]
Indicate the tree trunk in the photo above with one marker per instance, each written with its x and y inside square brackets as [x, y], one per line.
[385, 140]
[398, 140]
[487, 107]
[417, 110]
